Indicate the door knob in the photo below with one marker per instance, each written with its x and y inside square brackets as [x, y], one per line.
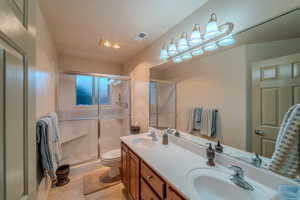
[259, 132]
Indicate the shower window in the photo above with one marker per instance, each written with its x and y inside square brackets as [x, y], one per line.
[87, 90]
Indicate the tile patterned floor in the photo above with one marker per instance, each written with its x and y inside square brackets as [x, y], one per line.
[74, 191]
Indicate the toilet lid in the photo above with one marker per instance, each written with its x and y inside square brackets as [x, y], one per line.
[112, 155]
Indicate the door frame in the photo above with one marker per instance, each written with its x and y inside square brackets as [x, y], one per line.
[19, 36]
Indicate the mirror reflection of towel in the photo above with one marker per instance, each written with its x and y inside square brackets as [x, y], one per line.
[204, 121]
[197, 119]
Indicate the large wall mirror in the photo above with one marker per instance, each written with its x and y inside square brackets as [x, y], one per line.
[247, 93]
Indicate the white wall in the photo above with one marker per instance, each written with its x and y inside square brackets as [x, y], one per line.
[46, 74]
[71, 63]
[242, 13]
[46, 68]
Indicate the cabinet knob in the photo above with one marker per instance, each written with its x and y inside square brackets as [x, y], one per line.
[149, 177]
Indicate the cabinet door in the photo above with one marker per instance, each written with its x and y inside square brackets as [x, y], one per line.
[146, 192]
[134, 179]
[124, 161]
[172, 195]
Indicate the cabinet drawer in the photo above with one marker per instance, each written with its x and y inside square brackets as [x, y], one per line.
[147, 193]
[153, 180]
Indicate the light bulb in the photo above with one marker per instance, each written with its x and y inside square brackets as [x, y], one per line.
[172, 49]
[107, 43]
[197, 52]
[212, 27]
[186, 56]
[164, 53]
[177, 59]
[227, 41]
[182, 44]
[195, 36]
[116, 46]
[211, 47]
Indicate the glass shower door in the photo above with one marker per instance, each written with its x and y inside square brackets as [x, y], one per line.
[78, 118]
[114, 112]
[162, 101]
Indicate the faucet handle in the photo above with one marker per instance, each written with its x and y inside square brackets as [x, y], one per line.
[238, 171]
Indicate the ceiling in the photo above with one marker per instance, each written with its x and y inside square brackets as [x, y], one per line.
[77, 25]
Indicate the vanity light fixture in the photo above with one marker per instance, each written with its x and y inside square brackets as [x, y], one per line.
[182, 44]
[215, 36]
[172, 49]
[212, 28]
[197, 52]
[210, 47]
[164, 53]
[195, 35]
[226, 41]
[177, 59]
[186, 56]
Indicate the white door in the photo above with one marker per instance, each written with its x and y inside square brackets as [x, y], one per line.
[17, 100]
[275, 88]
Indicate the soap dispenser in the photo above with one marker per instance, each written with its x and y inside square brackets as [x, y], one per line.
[165, 138]
[219, 147]
[210, 152]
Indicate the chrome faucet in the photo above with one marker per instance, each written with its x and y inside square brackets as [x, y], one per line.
[238, 178]
[153, 136]
[256, 160]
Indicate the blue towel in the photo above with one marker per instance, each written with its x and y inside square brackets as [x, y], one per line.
[288, 192]
[214, 123]
[197, 119]
[42, 143]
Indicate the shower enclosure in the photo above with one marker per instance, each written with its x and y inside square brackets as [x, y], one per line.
[94, 112]
[162, 102]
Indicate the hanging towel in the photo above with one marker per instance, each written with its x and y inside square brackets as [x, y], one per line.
[208, 122]
[197, 119]
[214, 123]
[49, 143]
[56, 137]
[286, 157]
[43, 148]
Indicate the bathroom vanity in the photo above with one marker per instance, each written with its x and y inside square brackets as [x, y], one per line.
[179, 170]
[141, 181]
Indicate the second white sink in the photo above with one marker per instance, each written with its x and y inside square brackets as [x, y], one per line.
[215, 184]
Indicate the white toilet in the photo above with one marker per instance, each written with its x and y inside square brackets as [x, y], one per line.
[112, 159]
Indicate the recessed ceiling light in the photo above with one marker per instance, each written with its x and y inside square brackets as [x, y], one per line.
[140, 36]
[109, 44]
[116, 46]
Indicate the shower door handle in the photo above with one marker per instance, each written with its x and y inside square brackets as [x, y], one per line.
[259, 132]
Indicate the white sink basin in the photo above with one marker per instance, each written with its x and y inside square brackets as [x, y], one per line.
[214, 184]
[143, 142]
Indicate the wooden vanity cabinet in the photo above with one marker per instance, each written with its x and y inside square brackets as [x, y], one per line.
[130, 172]
[124, 166]
[141, 182]
[173, 195]
[134, 176]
